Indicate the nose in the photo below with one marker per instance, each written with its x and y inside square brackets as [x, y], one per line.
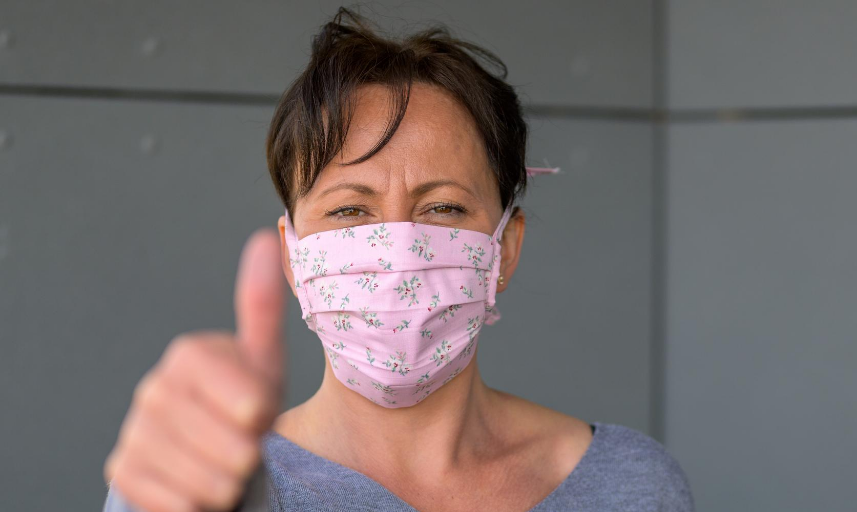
[397, 207]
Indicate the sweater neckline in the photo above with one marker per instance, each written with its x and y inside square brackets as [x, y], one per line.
[574, 476]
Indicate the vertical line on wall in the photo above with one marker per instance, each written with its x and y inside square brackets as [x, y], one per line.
[657, 361]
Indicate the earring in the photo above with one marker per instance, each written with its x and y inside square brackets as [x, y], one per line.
[500, 279]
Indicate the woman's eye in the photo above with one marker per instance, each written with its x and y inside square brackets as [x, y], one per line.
[446, 209]
[349, 212]
[345, 211]
[440, 209]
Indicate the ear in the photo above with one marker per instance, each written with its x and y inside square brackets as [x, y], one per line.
[510, 246]
[287, 266]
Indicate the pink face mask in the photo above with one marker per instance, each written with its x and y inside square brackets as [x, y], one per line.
[398, 306]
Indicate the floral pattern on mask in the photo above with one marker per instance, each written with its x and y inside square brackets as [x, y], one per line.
[421, 247]
[421, 294]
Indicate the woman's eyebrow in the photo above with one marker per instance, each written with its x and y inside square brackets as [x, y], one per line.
[357, 187]
[419, 190]
[428, 186]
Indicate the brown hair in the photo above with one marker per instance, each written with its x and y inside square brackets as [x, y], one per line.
[312, 118]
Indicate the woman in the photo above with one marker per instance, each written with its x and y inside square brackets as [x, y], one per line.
[399, 164]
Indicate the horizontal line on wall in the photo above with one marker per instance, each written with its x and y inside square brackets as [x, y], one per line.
[760, 114]
[696, 115]
[585, 112]
[161, 95]
[633, 114]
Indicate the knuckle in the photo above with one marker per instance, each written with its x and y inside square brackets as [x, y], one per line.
[183, 348]
[149, 392]
[190, 348]
[134, 438]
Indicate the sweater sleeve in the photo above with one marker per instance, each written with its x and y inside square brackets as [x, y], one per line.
[677, 496]
[651, 477]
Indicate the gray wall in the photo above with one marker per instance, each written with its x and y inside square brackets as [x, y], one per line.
[761, 252]
[707, 261]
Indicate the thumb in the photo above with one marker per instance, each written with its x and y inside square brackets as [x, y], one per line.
[259, 302]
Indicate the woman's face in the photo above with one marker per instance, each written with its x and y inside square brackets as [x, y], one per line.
[434, 170]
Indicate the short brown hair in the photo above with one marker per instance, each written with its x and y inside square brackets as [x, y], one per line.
[311, 120]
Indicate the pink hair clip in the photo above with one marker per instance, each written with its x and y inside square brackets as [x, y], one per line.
[542, 170]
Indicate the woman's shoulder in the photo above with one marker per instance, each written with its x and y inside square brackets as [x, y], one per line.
[627, 448]
[615, 467]
[637, 465]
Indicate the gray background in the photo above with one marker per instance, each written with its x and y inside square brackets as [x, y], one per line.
[695, 262]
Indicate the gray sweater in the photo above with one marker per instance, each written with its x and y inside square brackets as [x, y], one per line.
[623, 470]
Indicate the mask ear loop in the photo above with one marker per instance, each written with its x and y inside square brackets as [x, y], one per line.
[297, 270]
[496, 256]
[532, 171]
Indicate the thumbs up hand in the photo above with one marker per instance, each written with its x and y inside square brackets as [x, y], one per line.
[259, 301]
[190, 440]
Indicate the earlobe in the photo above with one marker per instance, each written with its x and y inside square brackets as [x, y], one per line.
[287, 268]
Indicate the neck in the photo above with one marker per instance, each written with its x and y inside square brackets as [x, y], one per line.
[445, 431]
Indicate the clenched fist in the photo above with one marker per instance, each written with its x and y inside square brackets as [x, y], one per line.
[191, 438]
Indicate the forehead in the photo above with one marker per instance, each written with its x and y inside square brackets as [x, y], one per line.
[433, 116]
[436, 138]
